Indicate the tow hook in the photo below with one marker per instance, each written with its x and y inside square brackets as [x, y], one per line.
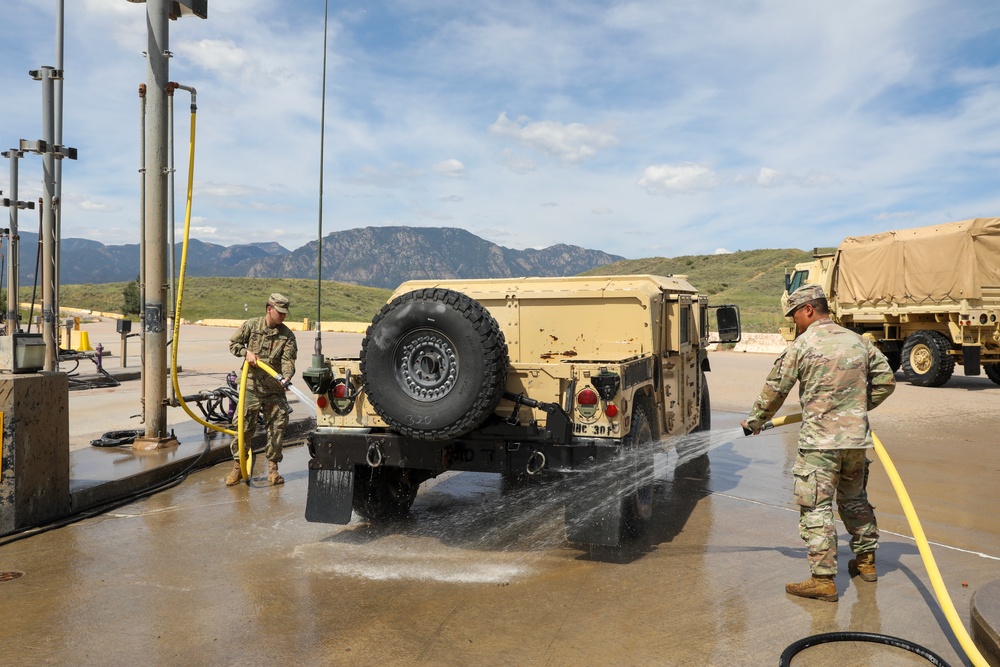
[374, 456]
[536, 462]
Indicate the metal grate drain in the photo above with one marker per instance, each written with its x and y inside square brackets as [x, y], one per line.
[9, 576]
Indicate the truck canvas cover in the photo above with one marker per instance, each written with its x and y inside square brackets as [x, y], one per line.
[947, 262]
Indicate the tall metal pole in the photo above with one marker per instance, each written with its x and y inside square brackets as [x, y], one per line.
[154, 375]
[13, 251]
[48, 75]
[57, 172]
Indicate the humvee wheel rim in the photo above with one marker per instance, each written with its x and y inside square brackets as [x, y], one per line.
[427, 365]
[921, 359]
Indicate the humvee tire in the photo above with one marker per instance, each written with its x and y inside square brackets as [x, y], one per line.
[434, 364]
[926, 361]
[637, 450]
[992, 372]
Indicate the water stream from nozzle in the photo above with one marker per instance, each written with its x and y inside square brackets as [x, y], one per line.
[305, 398]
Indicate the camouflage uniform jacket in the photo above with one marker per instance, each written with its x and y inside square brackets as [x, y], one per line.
[841, 377]
[275, 346]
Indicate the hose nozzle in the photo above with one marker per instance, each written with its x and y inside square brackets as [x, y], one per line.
[777, 421]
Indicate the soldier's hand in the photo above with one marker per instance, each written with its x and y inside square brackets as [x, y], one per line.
[251, 358]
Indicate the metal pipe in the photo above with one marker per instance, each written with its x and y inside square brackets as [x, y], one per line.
[142, 238]
[57, 172]
[13, 257]
[48, 75]
[154, 329]
[173, 222]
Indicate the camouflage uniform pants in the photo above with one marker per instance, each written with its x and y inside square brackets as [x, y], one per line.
[274, 408]
[820, 476]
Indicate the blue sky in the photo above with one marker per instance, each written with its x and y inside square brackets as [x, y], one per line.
[639, 128]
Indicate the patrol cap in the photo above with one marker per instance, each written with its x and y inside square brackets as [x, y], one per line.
[279, 302]
[802, 295]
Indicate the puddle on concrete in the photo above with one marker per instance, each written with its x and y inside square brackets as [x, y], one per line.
[468, 528]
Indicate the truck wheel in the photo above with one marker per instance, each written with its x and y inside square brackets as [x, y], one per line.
[992, 372]
[705, 410]
[434, 364]
[637, 456]
[691, 447]
[382, 493]
[925, 359]
[895, 360]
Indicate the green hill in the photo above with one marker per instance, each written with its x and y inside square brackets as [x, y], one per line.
[225, 298]
[751, 279]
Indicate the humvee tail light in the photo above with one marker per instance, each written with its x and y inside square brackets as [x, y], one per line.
[611, 411]
[340, 390]
[321, 401]
[587, 397]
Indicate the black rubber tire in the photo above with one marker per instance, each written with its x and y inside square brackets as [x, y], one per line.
[690, 448]
[925, 359]
[992, 372]
[705, 409]
[637, 453]
[895, 359]
[382, 493]
[434, 364]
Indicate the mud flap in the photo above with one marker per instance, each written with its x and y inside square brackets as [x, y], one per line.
[595, 518]
[330, 496]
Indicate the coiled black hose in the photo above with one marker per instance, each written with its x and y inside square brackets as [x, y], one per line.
[827, 637]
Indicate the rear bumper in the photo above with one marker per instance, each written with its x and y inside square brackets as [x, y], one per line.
[334, 448]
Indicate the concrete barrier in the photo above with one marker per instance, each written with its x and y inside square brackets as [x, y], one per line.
[761, 343]
[305, 325]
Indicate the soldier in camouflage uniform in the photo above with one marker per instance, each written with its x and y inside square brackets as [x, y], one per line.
[841, 377]
[269, 340]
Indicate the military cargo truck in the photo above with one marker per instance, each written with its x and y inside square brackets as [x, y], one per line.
[549, 378]
[929, 297]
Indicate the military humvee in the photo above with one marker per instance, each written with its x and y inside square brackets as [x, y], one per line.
[529, 377]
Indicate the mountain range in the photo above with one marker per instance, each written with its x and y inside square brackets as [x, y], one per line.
[371, 256]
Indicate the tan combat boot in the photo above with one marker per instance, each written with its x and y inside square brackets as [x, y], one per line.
[236, 476]
[818, 586]
[863, 566]
[273, 477]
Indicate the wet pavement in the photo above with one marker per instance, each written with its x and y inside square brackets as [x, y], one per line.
[203, 574]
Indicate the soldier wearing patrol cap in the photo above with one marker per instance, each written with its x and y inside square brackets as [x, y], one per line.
[266, 339]
[841, 377]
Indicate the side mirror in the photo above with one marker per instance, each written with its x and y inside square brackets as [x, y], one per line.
[728, 323]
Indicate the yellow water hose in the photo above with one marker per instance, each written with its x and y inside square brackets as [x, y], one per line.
[245, 453]
[940, 592]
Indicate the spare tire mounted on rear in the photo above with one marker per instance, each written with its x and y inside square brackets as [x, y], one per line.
[434, 364]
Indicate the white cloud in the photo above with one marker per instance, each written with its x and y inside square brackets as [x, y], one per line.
[451, 168]
[721, 251]
[218, 55]
[570, 143]
[518, 164]
[87, 205]
[602, 211]
[791, 124]
[677, 179]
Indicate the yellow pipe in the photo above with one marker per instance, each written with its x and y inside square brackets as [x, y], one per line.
[940, 592]
[245, 454]
[180, 295]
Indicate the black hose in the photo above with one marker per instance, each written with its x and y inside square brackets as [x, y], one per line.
[824, 638]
